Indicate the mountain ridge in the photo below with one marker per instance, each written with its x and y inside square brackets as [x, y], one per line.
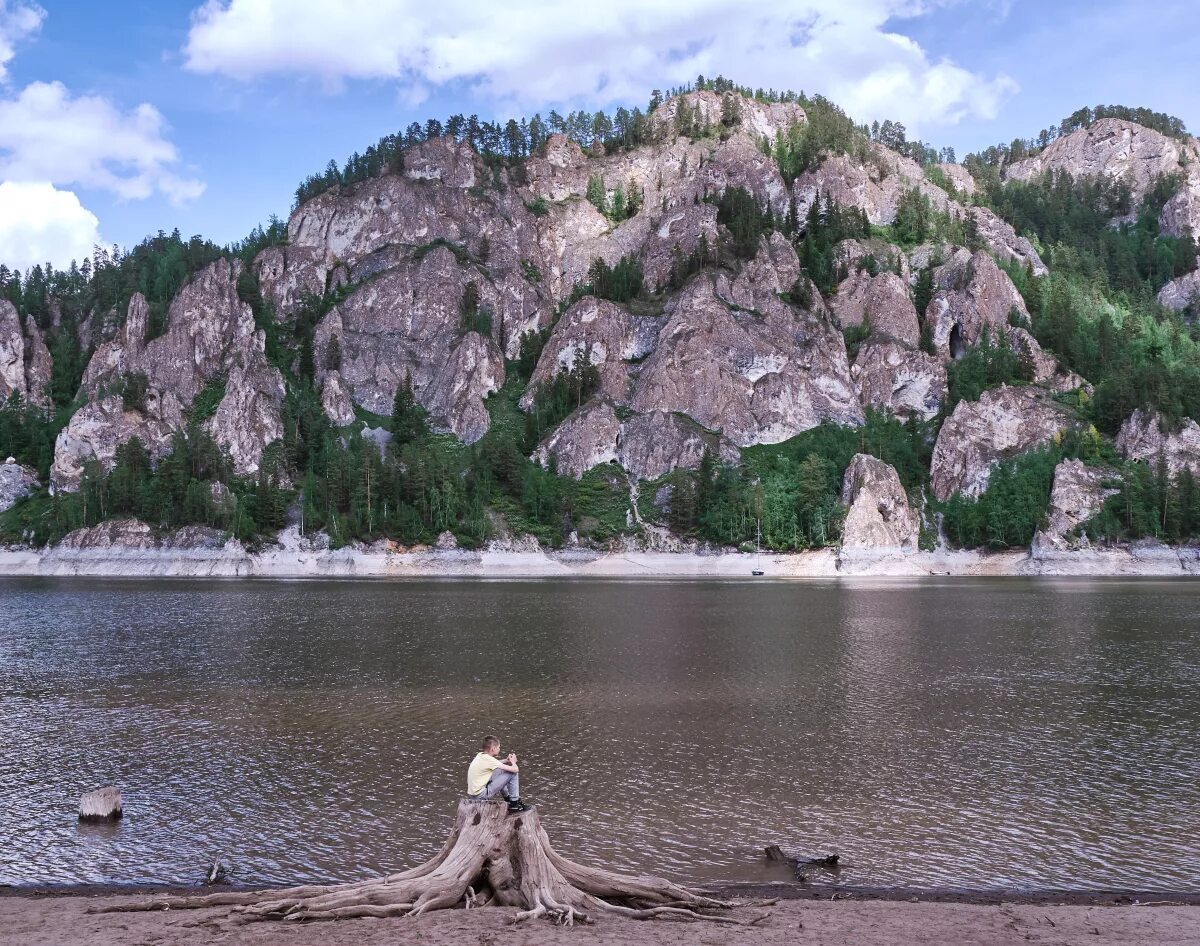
[758, 291]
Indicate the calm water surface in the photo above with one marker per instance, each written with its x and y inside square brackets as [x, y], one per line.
[965, 733]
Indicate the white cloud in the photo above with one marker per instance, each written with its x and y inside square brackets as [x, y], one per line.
[48, 134]
[527, 53]
[40, 224]
[18, 21]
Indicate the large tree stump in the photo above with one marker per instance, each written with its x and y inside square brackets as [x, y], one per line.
[491, 857]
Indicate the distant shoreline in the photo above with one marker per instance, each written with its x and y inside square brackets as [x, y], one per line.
[233, 561]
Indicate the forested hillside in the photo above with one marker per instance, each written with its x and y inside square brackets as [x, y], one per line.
[690, 316]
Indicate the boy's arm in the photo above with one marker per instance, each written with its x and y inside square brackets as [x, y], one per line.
[505, 767]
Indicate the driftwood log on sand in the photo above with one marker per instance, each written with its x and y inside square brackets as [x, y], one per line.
[491, 857]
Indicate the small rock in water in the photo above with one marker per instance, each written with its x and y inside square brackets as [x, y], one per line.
[104, 804]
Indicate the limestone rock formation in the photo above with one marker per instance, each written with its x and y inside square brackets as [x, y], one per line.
[757, 375]
[901, 379]
[95, 432]
[1112, 148]
[972, 295]
[878, 516]
[1146, 436]
[210, 338]
[877, 186]
[25, 362]
[1182, 292]
[652, 445]
[587, 438]
[12, 351]
[133, 535]
[1180, 216]
[959, 177]
[16, 482]
[1078, 493]
[1047, 371]
[881, 301]
[1005, 422]
[408, 323]
[38, 365]
[605, 336]
[647, 446]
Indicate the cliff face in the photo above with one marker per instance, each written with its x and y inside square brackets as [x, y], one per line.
[878, 516]
[435, 274]
[210, 337]
[25, 363]
[1005, 422]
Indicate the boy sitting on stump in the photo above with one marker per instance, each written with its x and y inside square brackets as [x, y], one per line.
[489, 775]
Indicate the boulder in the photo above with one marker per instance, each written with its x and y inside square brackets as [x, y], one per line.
[587, 438]
[1147, 437]
[103, 804]
[878, 516]
[1181, 292]
[1005, 422]
[16, 482]
[895, 378]
[1078, 493]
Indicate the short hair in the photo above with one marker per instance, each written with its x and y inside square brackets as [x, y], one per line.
[491, 742]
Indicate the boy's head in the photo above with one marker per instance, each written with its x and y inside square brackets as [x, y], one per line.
[491, 744]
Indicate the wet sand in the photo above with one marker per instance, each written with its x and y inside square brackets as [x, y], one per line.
[53, 921]
[58, 917]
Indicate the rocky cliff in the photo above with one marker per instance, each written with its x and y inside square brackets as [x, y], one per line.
[1078, 493]
[210, 338]
[878, 515]
[448, 269]
[24, 360]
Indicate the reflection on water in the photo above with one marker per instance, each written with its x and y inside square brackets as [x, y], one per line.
[966, 733]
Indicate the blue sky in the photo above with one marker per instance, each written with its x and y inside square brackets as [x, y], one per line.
[117, 120]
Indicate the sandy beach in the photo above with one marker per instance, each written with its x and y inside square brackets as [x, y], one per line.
[294, 558]
[56, 920]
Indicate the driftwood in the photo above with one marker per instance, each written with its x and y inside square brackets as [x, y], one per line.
[104, 804]
[492, 857]
[829, 862]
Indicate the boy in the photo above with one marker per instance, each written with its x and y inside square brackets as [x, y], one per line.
[489, 775]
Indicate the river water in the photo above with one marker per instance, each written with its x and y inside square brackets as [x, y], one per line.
[981, 734]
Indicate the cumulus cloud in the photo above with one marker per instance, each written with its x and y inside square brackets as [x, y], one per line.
[526, 53]
[18, 21]
[40, 224]
[48, 134]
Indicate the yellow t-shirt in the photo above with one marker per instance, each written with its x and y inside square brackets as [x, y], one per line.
[480, 771]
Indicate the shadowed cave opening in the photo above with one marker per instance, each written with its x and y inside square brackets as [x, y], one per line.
[958, 347]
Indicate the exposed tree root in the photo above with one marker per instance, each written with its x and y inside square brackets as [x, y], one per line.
[492, 857]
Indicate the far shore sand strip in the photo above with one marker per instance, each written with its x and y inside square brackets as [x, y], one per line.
[292, 561]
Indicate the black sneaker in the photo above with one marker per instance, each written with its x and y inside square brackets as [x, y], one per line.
[517, 805]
